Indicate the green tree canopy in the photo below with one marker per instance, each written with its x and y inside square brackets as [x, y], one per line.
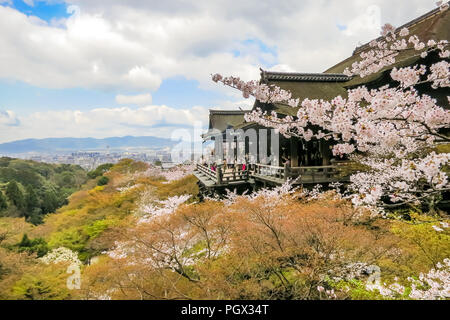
[15, 195]
[103, 181]
[100, 170]
[50, 202]
[37, 188]
[31, 199]
[3, 202]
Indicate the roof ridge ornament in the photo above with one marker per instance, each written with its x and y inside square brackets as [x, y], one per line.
[263, 74]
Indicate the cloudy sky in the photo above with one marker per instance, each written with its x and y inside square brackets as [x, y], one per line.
[101, 68]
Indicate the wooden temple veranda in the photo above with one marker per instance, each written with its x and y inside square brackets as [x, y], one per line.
[310, 162]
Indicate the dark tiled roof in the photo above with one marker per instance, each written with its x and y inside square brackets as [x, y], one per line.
[228, 112]
[245, 125]
[326, 90]
[291, 76]
[434, 24]
[223, 119]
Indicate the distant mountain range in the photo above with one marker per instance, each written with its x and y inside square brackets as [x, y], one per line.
[83, 144]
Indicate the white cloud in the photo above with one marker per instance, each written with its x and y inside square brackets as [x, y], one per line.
[281, 68]
[137, 44]
[141, 77]
[8, 118]
[151, 120]
[133, 46]
[29, 2]
[140, 99]
[243, 104]
[369, 22]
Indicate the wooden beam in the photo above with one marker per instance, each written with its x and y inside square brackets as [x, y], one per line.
[294, 152]
[325, 151]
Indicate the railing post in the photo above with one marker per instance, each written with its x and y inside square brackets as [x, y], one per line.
[219, 175]
[332, 173]
[286, 171]
[302, 174]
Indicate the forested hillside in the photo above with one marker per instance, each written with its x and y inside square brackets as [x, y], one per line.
[32, 189]
[144, 234]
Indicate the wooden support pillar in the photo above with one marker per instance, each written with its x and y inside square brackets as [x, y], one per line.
[219, 175]
[218, 149]
[286, 172]
[258, 159]
[294, 152]
[307, 154]
[325, 152]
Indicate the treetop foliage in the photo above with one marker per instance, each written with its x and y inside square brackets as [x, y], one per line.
[33, 189]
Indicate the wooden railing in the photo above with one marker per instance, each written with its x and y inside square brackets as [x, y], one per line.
[312, 174]
[271, 171]
[308, 174]
[221, 177]
[207, 172]
[238, 175]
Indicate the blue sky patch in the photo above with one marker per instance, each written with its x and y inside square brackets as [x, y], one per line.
[42, 9]
[178, 92]
[341, 27]
[23, 98]
[262, 46]
[270, 57]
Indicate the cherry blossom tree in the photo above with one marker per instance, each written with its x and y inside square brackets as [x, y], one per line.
[61, 255]
[391, 129]
[173, 174]
[434, 285]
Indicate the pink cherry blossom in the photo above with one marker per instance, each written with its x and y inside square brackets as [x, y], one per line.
[390, 127]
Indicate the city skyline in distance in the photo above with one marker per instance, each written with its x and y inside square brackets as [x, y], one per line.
[72, 144]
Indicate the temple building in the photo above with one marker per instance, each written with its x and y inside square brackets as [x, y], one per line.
[312, 161]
